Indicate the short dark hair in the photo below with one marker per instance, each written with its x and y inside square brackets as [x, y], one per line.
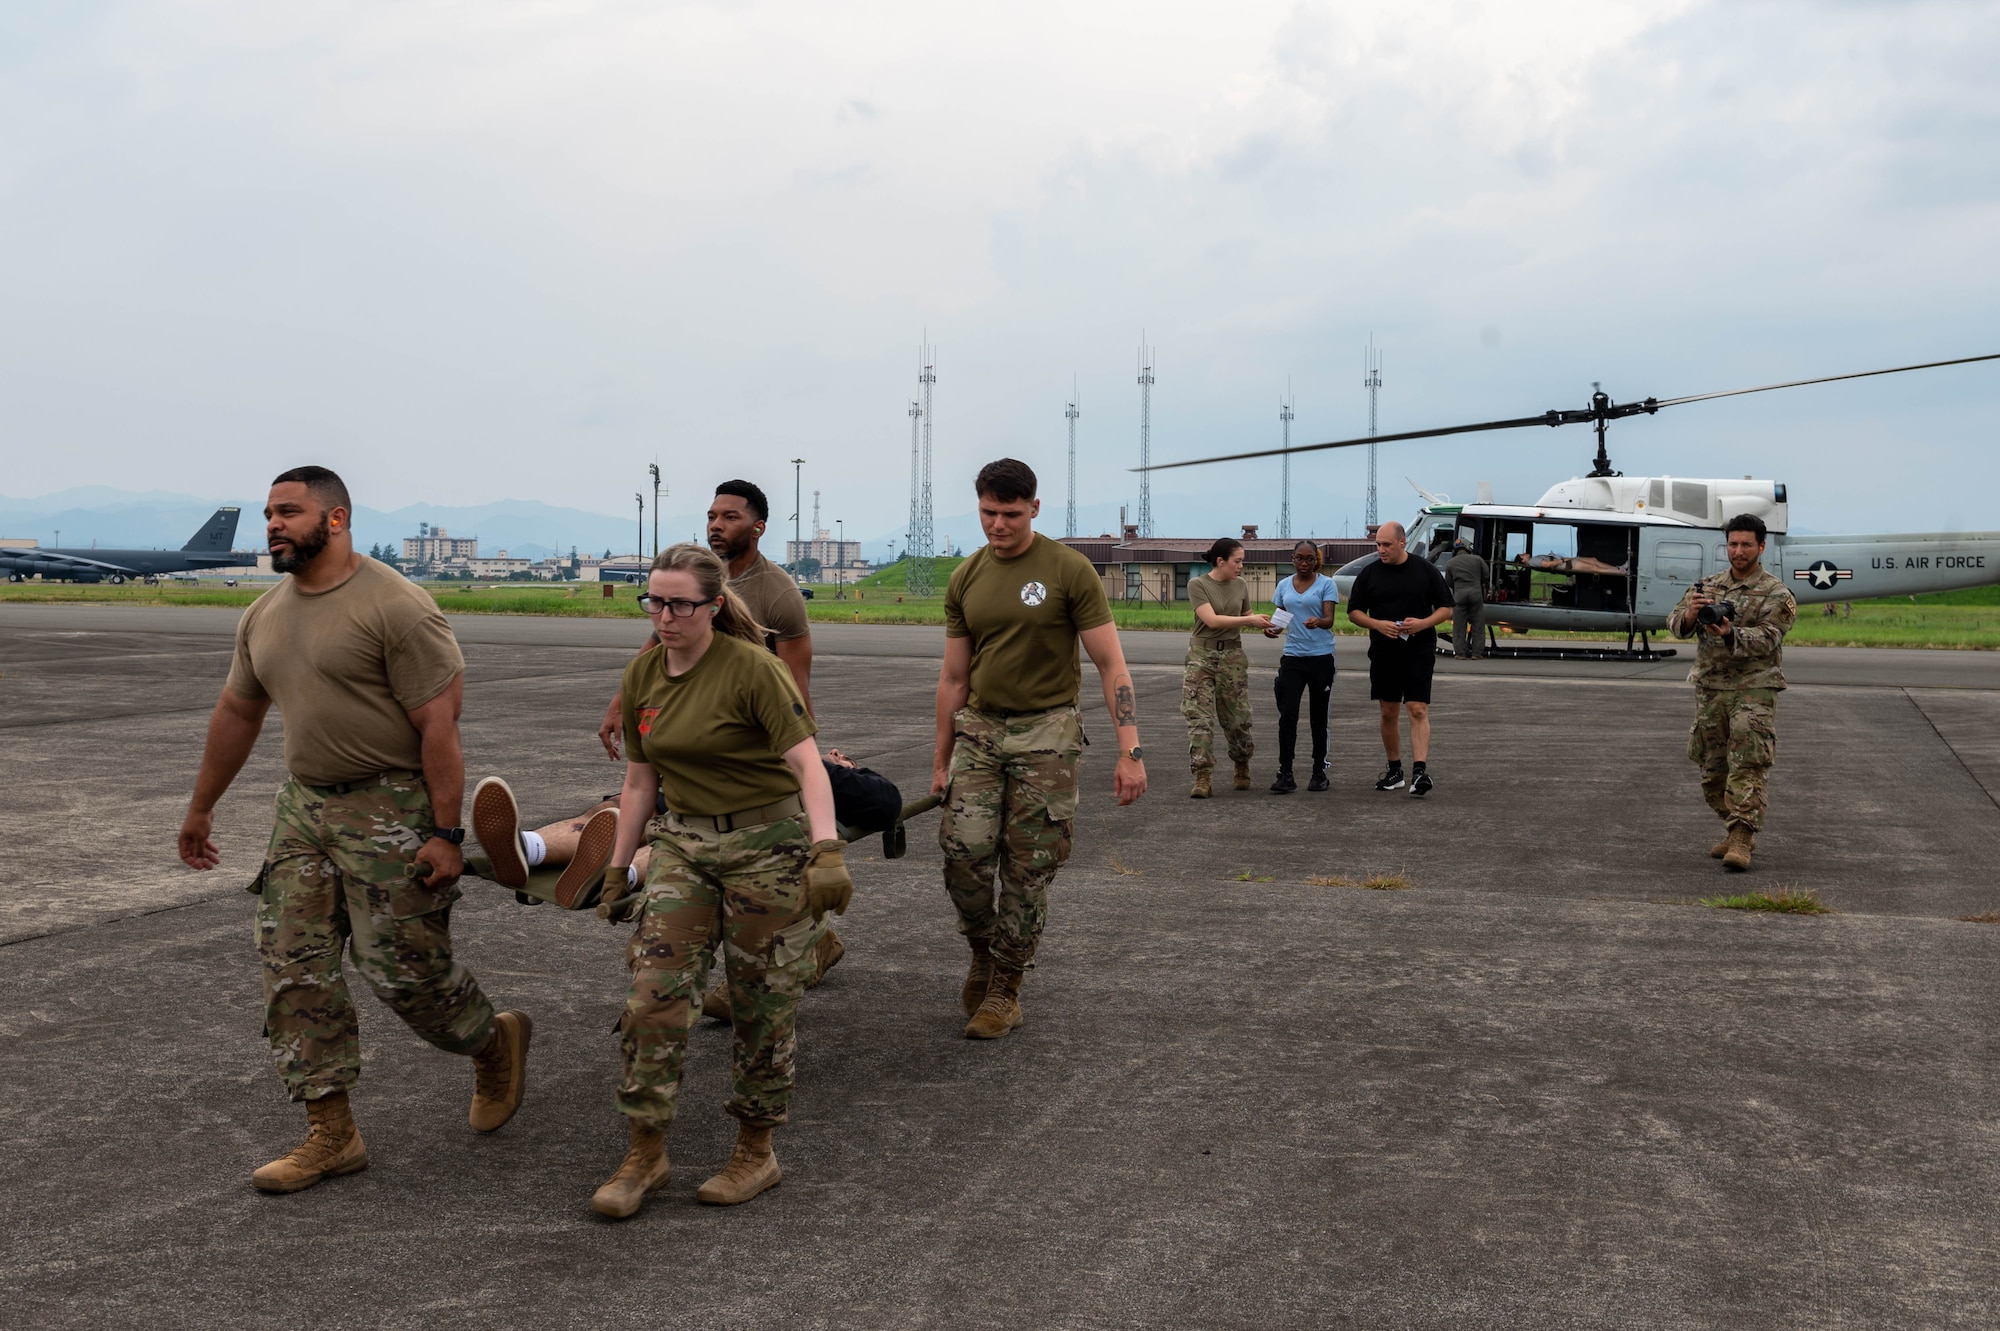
[745, 490]
[1224, 547]
[1749, 522]
[321, 484]
[1007, 480]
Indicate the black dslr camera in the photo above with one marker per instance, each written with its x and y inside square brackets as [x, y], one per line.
[1715, 612]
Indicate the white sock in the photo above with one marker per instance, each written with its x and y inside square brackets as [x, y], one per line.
[534, 848]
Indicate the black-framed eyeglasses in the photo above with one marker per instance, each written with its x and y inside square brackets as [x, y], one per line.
[653, 605]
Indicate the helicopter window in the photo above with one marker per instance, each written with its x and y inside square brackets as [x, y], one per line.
[1677, 561]
[1552, 539]
[1691, 499]
[1656, 493]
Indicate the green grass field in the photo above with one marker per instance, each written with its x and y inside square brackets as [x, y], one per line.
[1962, 620]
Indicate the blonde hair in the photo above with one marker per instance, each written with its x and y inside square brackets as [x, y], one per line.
[713, 578]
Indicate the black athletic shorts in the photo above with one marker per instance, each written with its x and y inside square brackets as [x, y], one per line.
[1402, 672]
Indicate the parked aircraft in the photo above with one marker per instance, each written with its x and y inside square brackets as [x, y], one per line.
[208, 548]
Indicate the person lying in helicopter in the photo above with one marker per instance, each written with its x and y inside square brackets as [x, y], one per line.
[1570, 565]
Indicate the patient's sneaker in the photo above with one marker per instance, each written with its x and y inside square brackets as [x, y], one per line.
[582, 881]
[1420, 783]
[1391, 779]
[496, 821]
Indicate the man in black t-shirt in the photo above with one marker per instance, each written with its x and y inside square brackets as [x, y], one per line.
[1401, 601]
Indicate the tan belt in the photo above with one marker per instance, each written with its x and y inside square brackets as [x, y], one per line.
[791, 806]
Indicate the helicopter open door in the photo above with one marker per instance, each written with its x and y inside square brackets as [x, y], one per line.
[1565, 565]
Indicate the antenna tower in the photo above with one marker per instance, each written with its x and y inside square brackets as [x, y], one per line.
[923, 548]
[916, 497]
[1145, 438]
[1285, 476]
[1069, 526]
[1372, 361]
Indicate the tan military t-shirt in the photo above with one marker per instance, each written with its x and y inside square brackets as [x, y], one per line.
[774, 599]
[1227, 599]
[344, 667]
[717, 734]
[1023, 616]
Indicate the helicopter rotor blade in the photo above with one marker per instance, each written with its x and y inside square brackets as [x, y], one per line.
[1370, 439]
[1611, 411]
[1827, 379]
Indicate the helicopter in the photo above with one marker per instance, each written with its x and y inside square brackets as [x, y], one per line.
[1610, 553]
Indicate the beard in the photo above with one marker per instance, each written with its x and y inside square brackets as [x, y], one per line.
[304, 550]
[730, 551]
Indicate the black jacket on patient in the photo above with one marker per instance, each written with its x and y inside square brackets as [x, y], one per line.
[863, 799]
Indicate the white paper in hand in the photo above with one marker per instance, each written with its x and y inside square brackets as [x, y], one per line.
[1281, 618]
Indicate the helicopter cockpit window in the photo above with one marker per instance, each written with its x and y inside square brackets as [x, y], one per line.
[1656, 493]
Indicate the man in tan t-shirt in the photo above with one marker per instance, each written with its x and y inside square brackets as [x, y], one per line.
[1009, 738]
[366, 850]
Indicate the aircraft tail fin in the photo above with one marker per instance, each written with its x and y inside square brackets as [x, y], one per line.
[217, 534]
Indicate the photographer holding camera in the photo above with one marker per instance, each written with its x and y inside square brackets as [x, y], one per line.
[1740, 618]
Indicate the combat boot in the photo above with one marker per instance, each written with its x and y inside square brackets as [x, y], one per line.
[977, 977]
[643, 1170]
[1202, 789]
[1720, 848]
[332, 1147]
[715, 1003]
[1740, 842]
[500, 1072]
[1000, 1011]
[1243, 774]
[827, 952]
[752, 1168]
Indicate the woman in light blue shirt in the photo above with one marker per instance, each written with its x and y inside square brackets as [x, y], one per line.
[1309, 597]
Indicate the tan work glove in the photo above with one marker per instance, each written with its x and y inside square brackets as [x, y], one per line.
[828, 888]
[620, 900]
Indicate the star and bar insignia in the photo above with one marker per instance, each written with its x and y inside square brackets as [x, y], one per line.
[1822, 574]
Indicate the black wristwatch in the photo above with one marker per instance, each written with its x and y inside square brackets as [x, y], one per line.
[1136, 753]
[455, 835]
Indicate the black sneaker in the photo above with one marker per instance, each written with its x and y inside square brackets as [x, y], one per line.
[1318, 780]
[1391, 780]
[1284, 785]
[1420, 784]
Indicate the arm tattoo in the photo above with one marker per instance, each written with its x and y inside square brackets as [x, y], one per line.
[1123, 710]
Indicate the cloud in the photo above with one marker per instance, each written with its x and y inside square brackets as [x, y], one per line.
[520, 249]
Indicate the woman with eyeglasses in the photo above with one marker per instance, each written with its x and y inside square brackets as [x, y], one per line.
[1306, 599]
[747, 856]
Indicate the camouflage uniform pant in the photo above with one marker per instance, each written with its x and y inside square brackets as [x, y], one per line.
[744, 889]
[1009, 814]
[1735, 739]
[1215, 688]
[338, 872]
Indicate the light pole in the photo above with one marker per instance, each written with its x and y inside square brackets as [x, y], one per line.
[655, 469]
[839, 560]
[797, 494]
[640, 548]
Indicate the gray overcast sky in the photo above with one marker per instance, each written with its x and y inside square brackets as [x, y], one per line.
[471, 251]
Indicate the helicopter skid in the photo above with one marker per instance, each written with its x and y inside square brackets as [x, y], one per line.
[1574, 652]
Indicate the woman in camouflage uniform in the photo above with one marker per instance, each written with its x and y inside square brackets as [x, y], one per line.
[714, 721]
[1215, 685]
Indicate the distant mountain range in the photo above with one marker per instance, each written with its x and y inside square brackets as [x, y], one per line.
[525, 528]
[528, 528]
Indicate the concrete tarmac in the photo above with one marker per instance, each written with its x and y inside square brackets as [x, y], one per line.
[1540, 1087]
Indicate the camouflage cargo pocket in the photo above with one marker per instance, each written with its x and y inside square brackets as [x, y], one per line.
[409, 897]
[793, 941]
